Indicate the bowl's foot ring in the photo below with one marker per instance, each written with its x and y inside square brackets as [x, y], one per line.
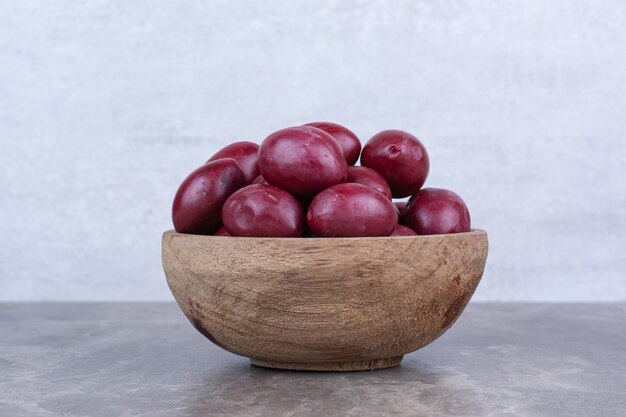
[363, 365]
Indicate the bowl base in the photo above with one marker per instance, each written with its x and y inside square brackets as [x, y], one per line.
[362, 365]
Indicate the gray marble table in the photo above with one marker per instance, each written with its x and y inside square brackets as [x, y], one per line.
[146, 360]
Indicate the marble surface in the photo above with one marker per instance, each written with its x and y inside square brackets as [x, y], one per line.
[107, 105]
[145, 359]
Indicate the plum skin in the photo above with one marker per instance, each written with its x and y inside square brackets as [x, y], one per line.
[401, 206]
[302, 160]
[260, 180]
[351, 210]
[434, 211]
[401, 230]
[221, 232]
[369, 177]
[198, 202]
[400, 158]
[349, 142]
[245, 154]
[266, 190]
[260, 210]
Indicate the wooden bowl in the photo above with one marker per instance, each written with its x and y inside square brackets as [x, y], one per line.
[337, 304]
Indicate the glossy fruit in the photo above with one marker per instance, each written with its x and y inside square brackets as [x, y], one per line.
[435, 211]
[403, 231]
[263, 211]
[369, 177]
[349, 142]
[222, 232]
[260, 180]
[351, 210]
[400, 158]
[302, 160]
[199, 199]
[246, 155]
[401, 206]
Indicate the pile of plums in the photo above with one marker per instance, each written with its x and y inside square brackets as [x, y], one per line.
[301, 182]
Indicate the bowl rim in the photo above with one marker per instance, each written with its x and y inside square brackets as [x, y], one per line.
[472, 232]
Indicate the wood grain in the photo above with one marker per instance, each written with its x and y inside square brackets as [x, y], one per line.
[324, 304]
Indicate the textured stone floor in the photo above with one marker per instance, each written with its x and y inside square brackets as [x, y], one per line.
[146, 360]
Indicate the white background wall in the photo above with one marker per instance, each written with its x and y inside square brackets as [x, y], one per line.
[105, 106]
